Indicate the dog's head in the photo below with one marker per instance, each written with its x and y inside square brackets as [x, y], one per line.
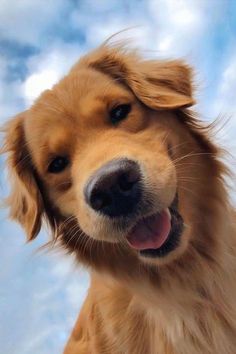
[114, 161]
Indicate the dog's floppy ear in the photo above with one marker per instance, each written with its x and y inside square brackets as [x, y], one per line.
[158, 84]
[25, 200]
[163, 85]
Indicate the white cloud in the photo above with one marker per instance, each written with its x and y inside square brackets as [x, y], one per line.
[47, 68]
[165, 44]
[10, 93]
[26, 20]
[179, 25]
[3, 66]
[41, 295]
[223, 107]
[228, 85]
[180, 13]
[38, 82]
[130, 26]
[225, 100]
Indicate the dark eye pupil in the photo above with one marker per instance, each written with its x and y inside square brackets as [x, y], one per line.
[119, 113]
[58, 164]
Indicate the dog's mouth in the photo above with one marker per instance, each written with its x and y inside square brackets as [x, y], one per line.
[158, 234]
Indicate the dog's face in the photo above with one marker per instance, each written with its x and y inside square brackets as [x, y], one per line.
[109, 158]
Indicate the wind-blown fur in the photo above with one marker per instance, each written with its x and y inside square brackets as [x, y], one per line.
[184, 303]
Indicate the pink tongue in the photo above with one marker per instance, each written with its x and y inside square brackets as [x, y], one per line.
[150, 233]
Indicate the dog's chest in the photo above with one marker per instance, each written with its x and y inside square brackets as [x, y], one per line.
[194, 332]
[125, 324]
[167, 334]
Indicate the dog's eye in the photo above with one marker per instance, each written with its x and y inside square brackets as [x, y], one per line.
[119, 113]
[58, 164]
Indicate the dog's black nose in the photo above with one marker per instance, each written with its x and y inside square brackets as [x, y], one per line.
[115, 189]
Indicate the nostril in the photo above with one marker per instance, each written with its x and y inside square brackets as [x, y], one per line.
[124, 183]
[127, 180]
[100, 200]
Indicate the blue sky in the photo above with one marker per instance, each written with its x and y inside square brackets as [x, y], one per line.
[41, 293]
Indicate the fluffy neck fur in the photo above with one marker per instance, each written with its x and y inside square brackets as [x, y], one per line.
[191, 305]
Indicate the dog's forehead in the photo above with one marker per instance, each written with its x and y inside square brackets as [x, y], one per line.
[77, 94]
[78, 98]
[85, 81]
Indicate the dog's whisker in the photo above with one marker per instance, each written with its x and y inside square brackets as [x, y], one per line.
[174, 147]
[66, 221]
[188, 190]
[72, 231]
[163, 142]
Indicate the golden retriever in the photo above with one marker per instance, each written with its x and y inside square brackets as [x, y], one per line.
[130, 181]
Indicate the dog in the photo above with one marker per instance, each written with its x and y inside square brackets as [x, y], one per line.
[128, 179]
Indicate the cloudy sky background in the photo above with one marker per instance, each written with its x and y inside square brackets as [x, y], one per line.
[41, 293]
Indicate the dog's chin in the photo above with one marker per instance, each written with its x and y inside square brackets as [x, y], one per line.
[157, 236]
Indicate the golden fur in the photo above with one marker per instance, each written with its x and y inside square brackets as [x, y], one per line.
[184, 303]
